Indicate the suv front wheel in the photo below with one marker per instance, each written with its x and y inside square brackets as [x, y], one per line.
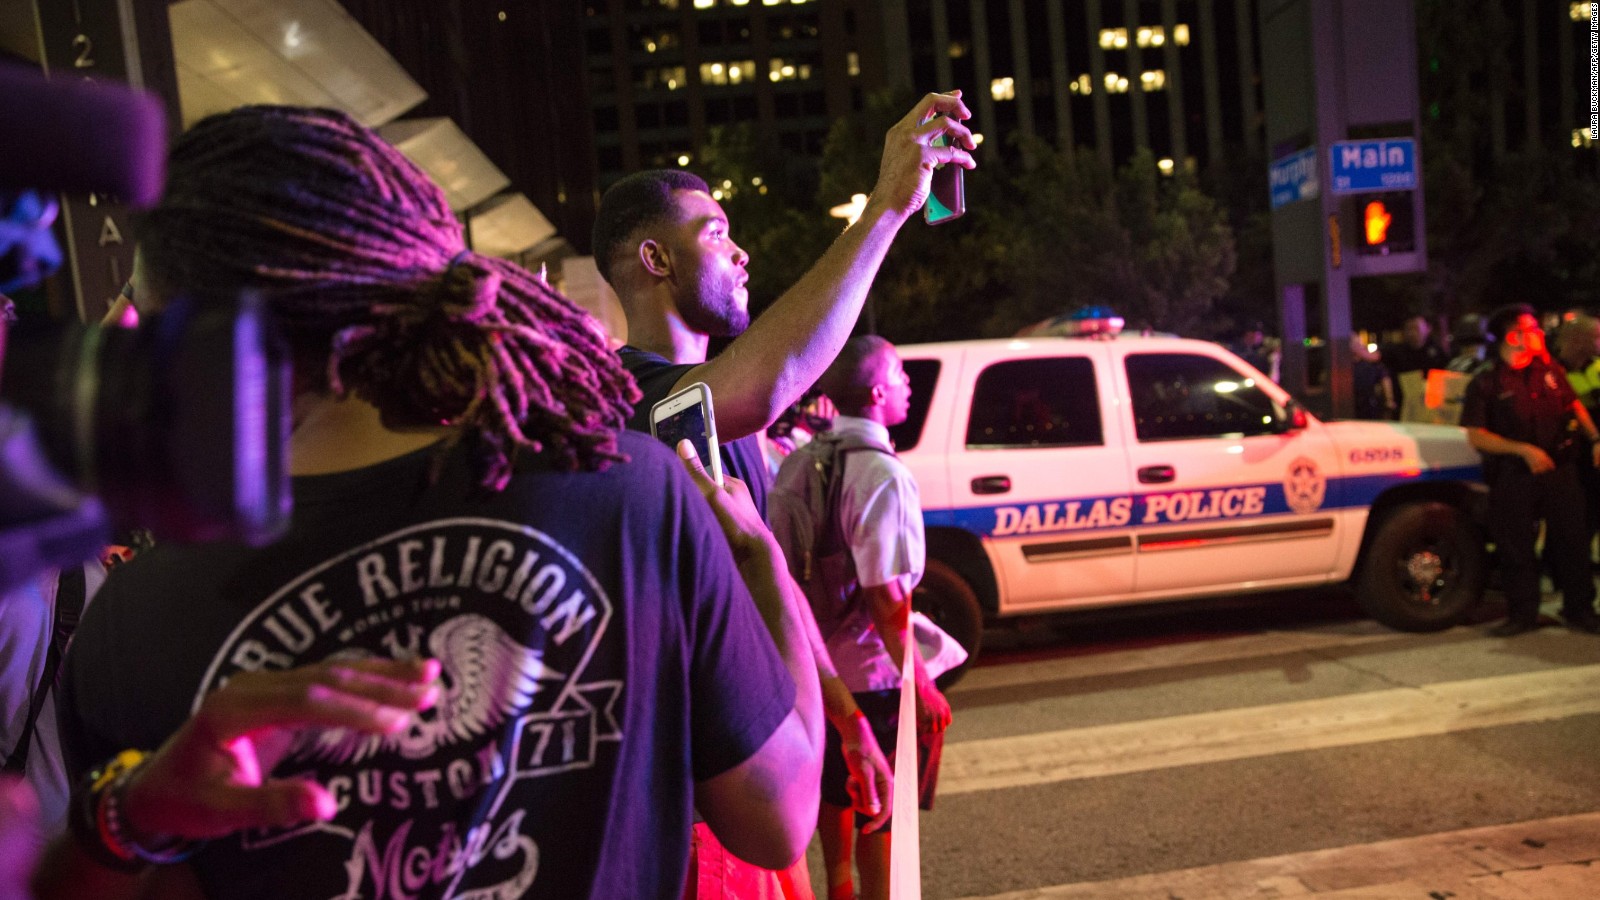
[946, 598]
[1423, 569]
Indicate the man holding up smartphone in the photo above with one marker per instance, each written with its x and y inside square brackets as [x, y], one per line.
[662, 242]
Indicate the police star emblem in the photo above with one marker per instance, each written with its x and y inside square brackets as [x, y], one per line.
[1303, 486]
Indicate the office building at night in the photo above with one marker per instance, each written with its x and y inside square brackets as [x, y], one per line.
[1177, 77]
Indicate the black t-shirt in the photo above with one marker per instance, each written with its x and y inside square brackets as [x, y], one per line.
[741, 458]
[1532, 404]
[600, 653]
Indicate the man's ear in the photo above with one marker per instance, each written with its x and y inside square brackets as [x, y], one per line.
[879, 394]
[655, 258]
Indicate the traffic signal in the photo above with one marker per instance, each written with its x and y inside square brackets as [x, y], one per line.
[1385, 223]
[1375, 219]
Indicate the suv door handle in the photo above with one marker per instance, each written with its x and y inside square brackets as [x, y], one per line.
[1157, 474]
[991, 484]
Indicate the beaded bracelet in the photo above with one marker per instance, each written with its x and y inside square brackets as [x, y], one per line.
[101, 829]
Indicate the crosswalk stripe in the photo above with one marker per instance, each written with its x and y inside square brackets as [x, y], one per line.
[1425, 710]
[1543, 858]
[1188, 653]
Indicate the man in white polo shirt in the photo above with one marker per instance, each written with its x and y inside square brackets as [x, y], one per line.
[879, 513]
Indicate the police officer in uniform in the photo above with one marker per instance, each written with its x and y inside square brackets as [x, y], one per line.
[1525, 419]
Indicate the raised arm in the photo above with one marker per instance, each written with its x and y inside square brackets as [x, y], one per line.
[786, 349]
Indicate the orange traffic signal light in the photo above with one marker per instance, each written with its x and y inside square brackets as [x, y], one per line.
[1385, 222]
[1375, 221]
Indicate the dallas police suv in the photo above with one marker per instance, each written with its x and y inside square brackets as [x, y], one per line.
[1072, 472]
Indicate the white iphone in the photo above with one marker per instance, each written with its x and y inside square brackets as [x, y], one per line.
[687, 414]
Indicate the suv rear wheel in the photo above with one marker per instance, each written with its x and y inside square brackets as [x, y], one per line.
[1423, 569]
[946, 598]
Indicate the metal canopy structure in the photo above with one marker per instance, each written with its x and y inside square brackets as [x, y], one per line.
[231, 53]
[454, 162]
[507, 226]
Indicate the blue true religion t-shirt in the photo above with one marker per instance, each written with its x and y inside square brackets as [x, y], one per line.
[599, 651]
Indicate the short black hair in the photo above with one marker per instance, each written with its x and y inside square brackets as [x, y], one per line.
[1504, 317]
[638, 199]
[849, 378]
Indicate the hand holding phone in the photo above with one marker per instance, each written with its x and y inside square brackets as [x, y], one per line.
[688, 414]
[947, 195]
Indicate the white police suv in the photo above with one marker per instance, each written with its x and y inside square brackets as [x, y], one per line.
[1070, 472]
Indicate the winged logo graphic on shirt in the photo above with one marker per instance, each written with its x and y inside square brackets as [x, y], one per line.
[487, 675]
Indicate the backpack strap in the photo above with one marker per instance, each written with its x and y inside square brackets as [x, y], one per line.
[71, 594]
[832, 539]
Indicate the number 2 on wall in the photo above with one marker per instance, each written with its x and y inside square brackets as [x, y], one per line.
[84, 46]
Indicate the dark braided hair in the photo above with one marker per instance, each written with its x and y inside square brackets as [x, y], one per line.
[363, 265]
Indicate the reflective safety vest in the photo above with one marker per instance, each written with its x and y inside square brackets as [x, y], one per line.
[1586, 383]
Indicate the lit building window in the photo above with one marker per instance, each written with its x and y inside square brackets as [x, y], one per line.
[1581, 138]
[666, 40]
[1082, 84]
[1153, 80]
[1003, 88]
[704, 4]
[683, 159]
[670, 77]
[1151, 36]
[737, 72]
[1180, 34]
[1114, 38]
[1116, 84]
[740, 2]
[852, 63]
[1165, 165]
[1579, 12]
[785, 70]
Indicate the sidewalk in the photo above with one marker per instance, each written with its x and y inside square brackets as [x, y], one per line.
[1548, 859]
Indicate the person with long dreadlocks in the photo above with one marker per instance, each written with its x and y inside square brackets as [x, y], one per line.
[504, 646]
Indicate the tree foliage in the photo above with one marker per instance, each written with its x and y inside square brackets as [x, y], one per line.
[1037, 240]
[1519, 224]
[1075, 232]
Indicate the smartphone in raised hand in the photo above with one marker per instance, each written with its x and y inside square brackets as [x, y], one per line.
[688, 414]
[947, 198]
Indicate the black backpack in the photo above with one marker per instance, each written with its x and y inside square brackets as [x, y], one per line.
[802, 508]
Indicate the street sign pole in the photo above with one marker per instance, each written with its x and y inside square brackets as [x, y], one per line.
[1337, 75]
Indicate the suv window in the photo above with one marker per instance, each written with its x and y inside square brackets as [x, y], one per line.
[924, 374]
[1036, 403]
[1183, 395]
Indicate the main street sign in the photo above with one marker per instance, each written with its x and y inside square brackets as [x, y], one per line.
[1294, 177]
[1388, 164]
